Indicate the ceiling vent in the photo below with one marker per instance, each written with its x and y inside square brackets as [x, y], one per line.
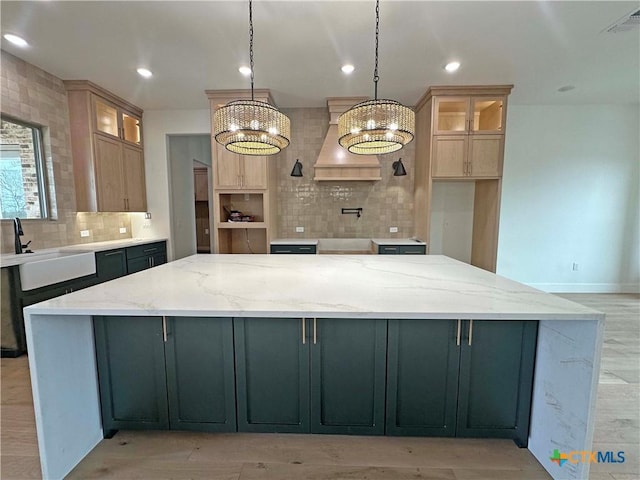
[626, 23]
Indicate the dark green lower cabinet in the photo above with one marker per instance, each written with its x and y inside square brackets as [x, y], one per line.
[200, 374]
[272, 375]
[496, 377]
[185, 382]
[471, 381]
[348, 372]
[131, 372]
[327, 379]
[422, 384]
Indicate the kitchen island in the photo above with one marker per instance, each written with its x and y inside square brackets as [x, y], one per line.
[278, 288]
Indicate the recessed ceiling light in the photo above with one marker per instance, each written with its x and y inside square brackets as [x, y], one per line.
[348, 69]
[244, 70]
[452, 66]
[566, 88]
[144, 72]
[16, 40]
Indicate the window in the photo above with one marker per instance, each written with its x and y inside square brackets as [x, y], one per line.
[22, 188]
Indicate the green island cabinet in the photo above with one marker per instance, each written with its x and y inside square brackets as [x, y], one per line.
[311, 375]
[460, 378]
[163, 372]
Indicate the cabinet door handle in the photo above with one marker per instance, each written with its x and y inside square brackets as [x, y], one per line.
[304, 333]
[164, 329]
[148, 250]
[149, 261]
[119, 252]
[469, 168]
[315, 337]
[152, 262]
[458, 334]
[470, 331]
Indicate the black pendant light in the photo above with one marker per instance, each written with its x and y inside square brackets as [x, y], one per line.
[251, 127]
[376, 126]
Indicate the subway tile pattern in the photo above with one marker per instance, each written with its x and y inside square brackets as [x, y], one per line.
[30, 94]
[316, 206]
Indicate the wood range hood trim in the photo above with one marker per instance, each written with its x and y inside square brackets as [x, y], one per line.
[335, 163]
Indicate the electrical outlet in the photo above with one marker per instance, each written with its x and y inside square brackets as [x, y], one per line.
[393, 229]
[123, 229]
[574, 267]
[147, 216]
[299, 229]
[85, 233]
[206, 231]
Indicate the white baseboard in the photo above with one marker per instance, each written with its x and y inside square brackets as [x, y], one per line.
[587, 287]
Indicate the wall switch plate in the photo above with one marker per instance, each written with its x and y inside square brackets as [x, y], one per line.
[123, 229]
[84, 233]
[574, 267]
[393, 229]
[147, 216]
[206, 231]
[299, 229]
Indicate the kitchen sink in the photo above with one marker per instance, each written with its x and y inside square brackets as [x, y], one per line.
[53, 267]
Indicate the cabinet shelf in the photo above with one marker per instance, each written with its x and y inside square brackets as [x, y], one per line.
[242, 225]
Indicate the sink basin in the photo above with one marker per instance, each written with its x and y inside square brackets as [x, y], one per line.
[53, 267]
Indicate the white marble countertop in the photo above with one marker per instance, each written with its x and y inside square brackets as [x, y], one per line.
[323, 286]
[294, 241]
[397, 241]
[12, 259]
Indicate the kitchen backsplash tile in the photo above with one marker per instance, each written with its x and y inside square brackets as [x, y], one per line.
[316, 206]
[30, 94]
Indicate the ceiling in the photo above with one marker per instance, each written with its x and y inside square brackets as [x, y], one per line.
[300, 47]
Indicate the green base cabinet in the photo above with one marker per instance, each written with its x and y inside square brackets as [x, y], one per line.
[348, 372]
[460, 378]
[131, 372]
[161, 373]
[422, 383]
[305, 375]
[272, 375]
[111, 264]
[496, 379]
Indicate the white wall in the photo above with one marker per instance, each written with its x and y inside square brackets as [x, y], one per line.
[451, 228]
[157, 125]
[570, 195]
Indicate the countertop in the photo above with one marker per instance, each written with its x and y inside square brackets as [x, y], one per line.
[397, 241]
[294, 241]
[323, 286]
[12, 259]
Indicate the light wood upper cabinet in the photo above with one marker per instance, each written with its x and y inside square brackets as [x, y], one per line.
[134, 179]
[108, 165]
[233, 171]
[476, 156]
[106, 143]
[468, 114]
[467, 135]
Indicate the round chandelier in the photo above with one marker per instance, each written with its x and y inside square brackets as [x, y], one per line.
[376, 126]
[251, 127]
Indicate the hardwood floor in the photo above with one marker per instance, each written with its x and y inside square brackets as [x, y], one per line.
[182, 455]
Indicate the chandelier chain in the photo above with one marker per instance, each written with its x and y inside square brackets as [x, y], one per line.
[251, 44]
[375, 71]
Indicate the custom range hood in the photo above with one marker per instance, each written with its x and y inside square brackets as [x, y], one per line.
[336, 163]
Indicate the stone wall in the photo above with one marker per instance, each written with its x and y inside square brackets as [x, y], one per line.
[316, 206]
[30, 94]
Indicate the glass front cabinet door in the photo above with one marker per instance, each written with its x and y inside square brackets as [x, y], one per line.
[456, 115]
[117, 122]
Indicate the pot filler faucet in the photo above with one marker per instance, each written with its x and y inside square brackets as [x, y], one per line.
[17, 231]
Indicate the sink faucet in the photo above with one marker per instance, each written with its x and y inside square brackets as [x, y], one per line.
[17, 230]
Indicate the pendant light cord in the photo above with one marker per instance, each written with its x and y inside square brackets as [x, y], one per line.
[251, 45]
[375, 71]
